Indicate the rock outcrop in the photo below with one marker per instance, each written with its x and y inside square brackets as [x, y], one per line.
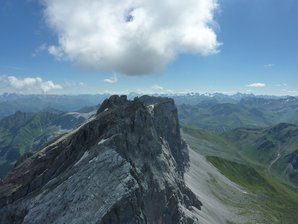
[125, 165]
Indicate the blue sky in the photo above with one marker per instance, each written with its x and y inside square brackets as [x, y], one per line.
[258, 54]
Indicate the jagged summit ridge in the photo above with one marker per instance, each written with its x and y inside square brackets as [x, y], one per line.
[125, 165]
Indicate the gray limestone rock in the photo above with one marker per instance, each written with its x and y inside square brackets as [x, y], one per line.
[126, 165]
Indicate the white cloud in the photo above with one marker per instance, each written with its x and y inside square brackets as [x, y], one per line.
[157, 87]
[269, 65]
[290, 91]
[56, 51]
[257, 85]
[30, 84]
[70, 84]
[40, 49]
[133, 37]
[111, 80]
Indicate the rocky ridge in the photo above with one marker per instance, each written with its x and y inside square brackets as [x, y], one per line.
[25, 132]
[126, 165]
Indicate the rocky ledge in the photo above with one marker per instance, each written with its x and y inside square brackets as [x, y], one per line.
[125, 165]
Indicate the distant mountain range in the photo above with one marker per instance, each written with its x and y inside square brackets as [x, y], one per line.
[247, 112]
[32, 128]
[11, 103]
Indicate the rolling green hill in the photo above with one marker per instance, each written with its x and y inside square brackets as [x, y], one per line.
[274, 148]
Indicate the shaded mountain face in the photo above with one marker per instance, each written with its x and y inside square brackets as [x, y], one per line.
[126, 165]
[23, 133]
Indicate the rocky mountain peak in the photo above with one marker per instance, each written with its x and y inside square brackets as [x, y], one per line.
[125, 165]
[112, 102]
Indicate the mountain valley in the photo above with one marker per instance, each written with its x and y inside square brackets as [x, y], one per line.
[242, 173]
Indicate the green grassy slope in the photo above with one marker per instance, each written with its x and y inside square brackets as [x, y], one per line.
[209, 143]
[277, 202]
[273, 148]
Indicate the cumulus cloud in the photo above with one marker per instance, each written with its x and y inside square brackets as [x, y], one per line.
[111, 80]
[257, 85]
[133, 37]
[30, 84]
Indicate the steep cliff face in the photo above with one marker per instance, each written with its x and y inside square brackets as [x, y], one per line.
[126, 165]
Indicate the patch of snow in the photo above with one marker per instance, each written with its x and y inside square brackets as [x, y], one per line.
[151, 108]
